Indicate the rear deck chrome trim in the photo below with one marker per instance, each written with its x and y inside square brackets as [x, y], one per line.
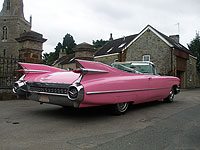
[45, 93]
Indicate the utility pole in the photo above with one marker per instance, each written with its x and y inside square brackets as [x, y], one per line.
[178, 25]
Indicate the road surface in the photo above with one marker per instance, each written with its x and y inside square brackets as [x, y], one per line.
[27, 125]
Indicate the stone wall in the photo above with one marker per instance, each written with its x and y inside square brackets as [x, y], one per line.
[15, 27]
[7, 94]
[33, 44]
[107, 59]
[159, 51]
[79, 54]
[191, 78]
[30, 56]
[198, 80]
[67, 66]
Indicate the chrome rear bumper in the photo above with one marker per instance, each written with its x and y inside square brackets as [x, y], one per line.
[52, 93]
[53, 99]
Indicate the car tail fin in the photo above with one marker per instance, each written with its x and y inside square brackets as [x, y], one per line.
[93, 67]
[37, 68]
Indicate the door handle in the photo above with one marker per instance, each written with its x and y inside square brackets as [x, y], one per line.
[149, 78]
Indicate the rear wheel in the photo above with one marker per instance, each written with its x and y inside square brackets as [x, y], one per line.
[120, 108]
[170, 98]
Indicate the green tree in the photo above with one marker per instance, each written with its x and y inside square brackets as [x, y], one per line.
[194, 47]
[58, 48]
[68, 44]
[49, 58]
[99, 43]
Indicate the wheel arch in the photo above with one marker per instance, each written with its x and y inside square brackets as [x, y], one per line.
[176, 89]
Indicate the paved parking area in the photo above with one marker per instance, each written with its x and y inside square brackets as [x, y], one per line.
[26, 125]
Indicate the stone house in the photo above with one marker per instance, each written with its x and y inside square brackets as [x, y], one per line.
[170, 57]
[17, 39]
[12, 24]
[83, 51]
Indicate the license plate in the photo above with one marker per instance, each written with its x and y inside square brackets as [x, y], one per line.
[44, 98]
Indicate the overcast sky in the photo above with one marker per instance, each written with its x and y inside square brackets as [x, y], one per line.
[88, 20]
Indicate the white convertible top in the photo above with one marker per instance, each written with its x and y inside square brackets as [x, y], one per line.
[135, 62]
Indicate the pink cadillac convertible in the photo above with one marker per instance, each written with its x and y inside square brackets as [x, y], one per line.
[95, 84]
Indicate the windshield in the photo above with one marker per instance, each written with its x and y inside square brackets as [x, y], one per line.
[124, 68]
[135, 68]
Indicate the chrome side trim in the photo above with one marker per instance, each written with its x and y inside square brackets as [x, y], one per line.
[27, 70]
[120, 91]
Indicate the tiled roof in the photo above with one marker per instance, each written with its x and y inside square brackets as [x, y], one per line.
[64, 59]
[175, 44]
[84, 47]
[115, 46]
[67, 60]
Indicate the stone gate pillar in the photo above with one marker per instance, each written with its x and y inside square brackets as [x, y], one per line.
[31, 47]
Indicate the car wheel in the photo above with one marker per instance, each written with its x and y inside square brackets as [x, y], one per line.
[170, 98]
[120, 108]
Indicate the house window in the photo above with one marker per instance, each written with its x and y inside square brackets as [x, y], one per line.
[146, 58]
[190, 61]
[8, 5]
[4, 52]
[190, 78]
[5, 33]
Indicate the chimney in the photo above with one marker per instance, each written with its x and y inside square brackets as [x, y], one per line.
[175, 38]
[111, 38]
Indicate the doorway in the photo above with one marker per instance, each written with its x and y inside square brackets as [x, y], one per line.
[181, 76]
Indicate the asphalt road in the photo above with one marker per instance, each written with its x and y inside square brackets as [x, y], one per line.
[28, 125]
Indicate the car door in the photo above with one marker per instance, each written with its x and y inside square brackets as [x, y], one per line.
[140, 86]
[157, 87]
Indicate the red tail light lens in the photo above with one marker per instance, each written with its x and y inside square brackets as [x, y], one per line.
[21, 71]
[77, 70]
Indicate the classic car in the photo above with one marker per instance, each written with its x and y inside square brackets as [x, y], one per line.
[96, 84]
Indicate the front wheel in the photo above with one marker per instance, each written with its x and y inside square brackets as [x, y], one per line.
[170, 98]
[120, 108]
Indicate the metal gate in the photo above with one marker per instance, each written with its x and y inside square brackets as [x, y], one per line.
[8, 71]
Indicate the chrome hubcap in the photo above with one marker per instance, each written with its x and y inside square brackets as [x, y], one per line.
[171, 96]
[122, 106]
